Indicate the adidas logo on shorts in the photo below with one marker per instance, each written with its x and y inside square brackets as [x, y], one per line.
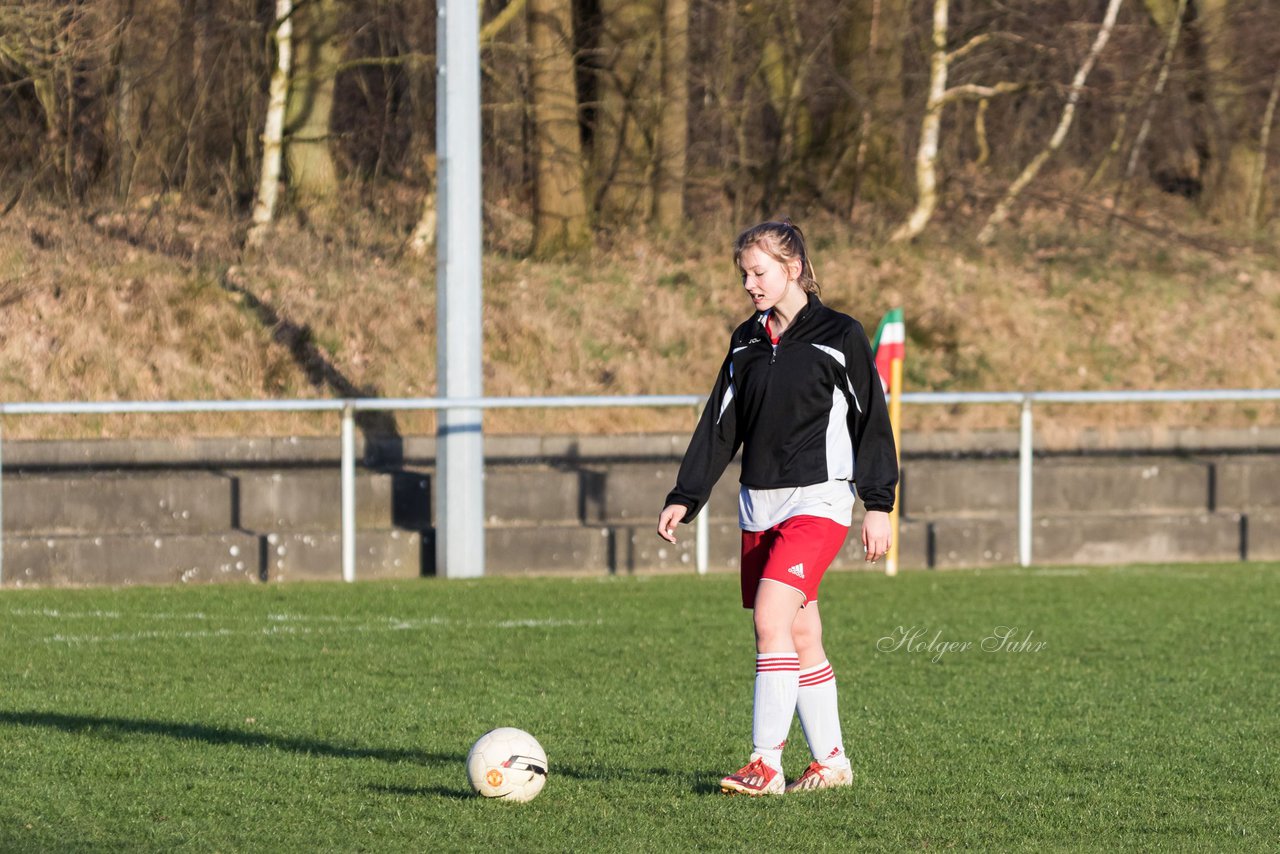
[797, 570]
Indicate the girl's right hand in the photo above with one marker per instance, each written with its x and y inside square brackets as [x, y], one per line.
[668, 519]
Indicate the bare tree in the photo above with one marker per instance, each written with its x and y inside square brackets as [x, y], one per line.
[771, 104]
[1144, 129]
[312, 173]
[559, 198]
[870, 47]
[1258, 182]
[628, 84]
[264, 206]
[1232, 155]
[673, 118]
[53, 47]
[1029, 172]
[127, 125]
[931, 126]
[422, 240]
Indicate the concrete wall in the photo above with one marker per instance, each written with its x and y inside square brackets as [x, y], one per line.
[268, 510]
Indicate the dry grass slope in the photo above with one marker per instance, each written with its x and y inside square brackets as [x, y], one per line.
[160, 304]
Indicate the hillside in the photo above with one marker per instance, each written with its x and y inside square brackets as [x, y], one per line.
[159, 303]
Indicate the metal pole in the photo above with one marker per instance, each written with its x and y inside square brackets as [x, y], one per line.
[895, 426]
[1024, 484]
[348, 494]
[702, 543]
[460, 338]
[1, 502]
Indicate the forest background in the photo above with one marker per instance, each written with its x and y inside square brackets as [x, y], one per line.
[1061, 194]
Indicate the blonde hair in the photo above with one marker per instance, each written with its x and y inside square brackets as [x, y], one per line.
[784, 242]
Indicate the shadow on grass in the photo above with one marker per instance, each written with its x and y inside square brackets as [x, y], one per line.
[700, 782]
[108, 727]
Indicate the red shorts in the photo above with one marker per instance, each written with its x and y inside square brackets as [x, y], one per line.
[796, 552]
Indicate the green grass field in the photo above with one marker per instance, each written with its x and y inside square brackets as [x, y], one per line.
[325, 717]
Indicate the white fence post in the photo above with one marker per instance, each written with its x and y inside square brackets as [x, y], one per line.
[348, 493]
[1, 501]
[702, 545]
[1024, 484]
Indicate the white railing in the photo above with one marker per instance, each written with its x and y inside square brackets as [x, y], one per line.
[348, 408]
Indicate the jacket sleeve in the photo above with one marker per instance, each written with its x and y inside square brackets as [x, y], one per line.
[714, 442]
[875, 457]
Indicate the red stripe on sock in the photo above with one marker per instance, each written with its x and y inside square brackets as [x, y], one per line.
[778, 663]
[826, 674]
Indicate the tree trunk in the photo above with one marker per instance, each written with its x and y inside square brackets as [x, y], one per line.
[126, 107]
[1257, 185]
[781, 69]
[28, 46]
[421, 156]
[1232, 157]
[1001, 212]
[628, 91]
[1140, 139]
[560, 219]
[264, 207]
[312, 175]
[197, 64]
[673, 128]
[872, 52]
[930, 128]
[423, 239]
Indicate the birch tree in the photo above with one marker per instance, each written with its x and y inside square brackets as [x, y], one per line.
[1001, 212]
[1144, 129]
[1253, 213]
[931, 126]
[423, 238]
[264, 206]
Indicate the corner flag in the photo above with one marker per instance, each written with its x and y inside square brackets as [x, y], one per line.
[890, 348]
[890, 344]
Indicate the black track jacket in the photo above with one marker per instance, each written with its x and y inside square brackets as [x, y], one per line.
[802, 414]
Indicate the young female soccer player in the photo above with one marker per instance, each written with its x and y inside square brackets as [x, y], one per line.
[799, 393]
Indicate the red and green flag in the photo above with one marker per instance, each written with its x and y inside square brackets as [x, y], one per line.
[890, 343]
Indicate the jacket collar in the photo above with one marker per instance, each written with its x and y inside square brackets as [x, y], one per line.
[812, 304]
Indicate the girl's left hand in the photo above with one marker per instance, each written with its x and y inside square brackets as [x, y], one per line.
[669, 518]
[877, 534]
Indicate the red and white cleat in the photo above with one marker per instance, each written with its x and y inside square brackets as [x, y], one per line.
[754, 778]
[819, 776]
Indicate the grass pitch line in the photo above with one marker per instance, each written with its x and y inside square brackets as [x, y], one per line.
[392, 625]
[53, 613]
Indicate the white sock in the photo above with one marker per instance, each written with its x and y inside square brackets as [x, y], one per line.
[777, 681]
[820, 714]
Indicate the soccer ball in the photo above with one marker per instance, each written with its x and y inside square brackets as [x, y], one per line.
[507, 763]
